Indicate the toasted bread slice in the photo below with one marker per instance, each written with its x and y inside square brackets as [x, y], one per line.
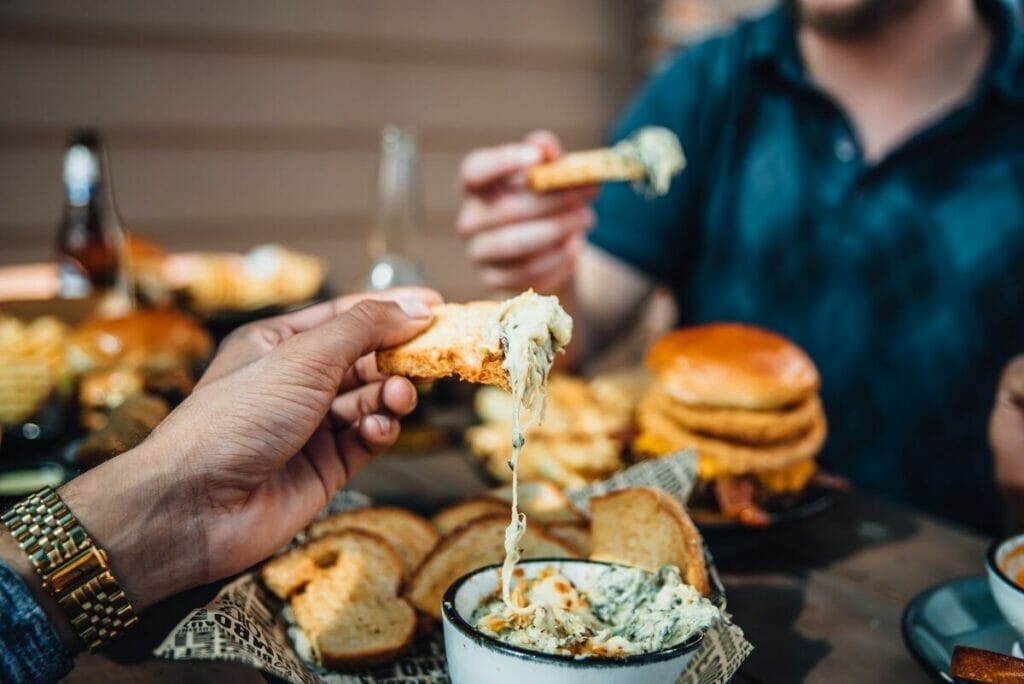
[454, 344]
[451, 518]
[288, 572]
[589, 167]
[575, 532]
[410, 535]
[472, 546]
[541, 501]
[646, 528]
[345, 597]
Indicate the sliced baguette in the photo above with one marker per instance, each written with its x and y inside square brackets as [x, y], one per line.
[646, 528]
[447, 520]
[575, 532]
[350, 609]
[541, 501]
[472, 546]
[454, 344]
[410, 535]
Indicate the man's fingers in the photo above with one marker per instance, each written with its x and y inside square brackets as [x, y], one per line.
[480, 213]
[523, 240]
[485, 167]
[548, 142]
[253, 340]
[368, 326]
[318, 314]
[394, 395]
[361, 442]
[1011, 384]
[543, 271]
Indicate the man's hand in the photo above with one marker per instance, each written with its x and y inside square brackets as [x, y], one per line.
[516, 238]
[288, 410]
[1006, 436]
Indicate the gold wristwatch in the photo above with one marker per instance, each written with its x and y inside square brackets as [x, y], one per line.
[73, 569]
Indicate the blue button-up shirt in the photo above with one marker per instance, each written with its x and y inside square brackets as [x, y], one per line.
[903, 278]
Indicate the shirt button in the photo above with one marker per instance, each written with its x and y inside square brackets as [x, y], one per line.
[845, 150]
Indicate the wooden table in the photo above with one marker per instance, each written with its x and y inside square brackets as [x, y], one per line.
[820, 600]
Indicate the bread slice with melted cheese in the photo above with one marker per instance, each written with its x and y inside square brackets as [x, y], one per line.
[472, 546]
[454, 344]
[646, 528]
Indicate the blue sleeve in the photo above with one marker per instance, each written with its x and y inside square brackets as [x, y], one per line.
[660, 236]
[30, 648]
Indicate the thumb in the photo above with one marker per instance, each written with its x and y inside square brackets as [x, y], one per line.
[368, 326]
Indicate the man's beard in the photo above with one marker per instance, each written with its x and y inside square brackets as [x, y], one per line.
[861, 19]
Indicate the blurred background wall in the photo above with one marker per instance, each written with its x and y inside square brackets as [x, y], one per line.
[236, 122]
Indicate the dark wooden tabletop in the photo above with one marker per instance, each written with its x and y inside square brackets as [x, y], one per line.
[820, 600]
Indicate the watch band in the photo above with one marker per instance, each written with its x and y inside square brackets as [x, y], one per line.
[73, 570]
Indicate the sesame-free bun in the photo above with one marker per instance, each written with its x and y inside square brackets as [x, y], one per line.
[151, 339]
[732, 365]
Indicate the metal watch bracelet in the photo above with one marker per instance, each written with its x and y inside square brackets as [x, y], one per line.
[73, 570]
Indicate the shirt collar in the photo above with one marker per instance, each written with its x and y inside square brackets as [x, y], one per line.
[774, 43]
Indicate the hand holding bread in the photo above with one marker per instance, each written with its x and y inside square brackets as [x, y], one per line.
[517, 238]
[286, 413]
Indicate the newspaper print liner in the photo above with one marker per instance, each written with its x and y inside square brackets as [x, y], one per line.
[244, 623]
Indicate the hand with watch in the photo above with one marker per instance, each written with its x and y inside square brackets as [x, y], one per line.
[287, 411]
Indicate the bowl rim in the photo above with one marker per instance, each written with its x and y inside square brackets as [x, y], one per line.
[993, 567]
[452, 616]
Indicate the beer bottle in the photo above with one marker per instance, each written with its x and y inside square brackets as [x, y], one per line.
[393, 244]
[90, 239]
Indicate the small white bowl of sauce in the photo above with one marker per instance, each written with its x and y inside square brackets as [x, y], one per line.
[474, 656]
[1004, 564]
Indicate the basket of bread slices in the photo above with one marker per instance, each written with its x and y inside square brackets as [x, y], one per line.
[600, 581]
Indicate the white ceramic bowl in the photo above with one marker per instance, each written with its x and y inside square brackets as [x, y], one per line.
[476, 657]
[1007, 594]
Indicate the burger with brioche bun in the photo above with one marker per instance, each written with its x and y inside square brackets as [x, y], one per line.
[746, 399]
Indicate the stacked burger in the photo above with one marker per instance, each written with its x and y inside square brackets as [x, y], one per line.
[747, 400]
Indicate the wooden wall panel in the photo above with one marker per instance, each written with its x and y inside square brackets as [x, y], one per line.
[235, 122]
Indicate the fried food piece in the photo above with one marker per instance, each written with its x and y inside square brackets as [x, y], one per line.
[541, 501]
[646, 528]
[454, 344]
[728, 457]
[571, 408]
[738, 425]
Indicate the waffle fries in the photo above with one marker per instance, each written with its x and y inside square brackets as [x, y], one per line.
[32, 360]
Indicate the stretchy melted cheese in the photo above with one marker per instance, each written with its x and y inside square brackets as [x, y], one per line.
[658, 150]
[531, 330]
[625, 611]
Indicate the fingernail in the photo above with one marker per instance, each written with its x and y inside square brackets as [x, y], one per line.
[531, 155]
[383, 423]
[414, 309]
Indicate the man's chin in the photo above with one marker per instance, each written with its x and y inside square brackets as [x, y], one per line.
[849, 19]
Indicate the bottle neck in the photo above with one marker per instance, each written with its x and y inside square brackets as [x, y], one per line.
[399, 210]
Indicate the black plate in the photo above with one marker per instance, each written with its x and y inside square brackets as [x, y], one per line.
[808, 503]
